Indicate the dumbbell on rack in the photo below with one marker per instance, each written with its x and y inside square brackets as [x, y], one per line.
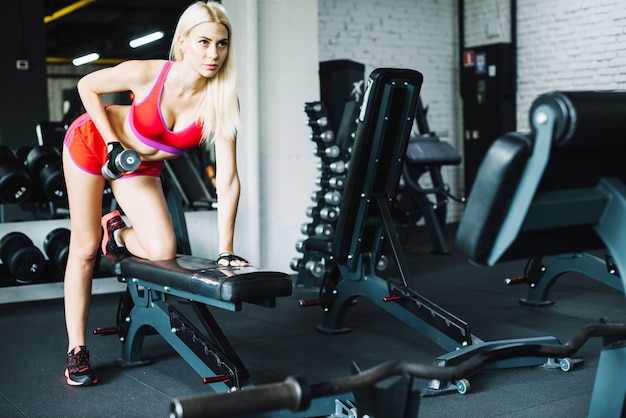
[44, 165]
[15, 182]
[56, 247]
[24, 262]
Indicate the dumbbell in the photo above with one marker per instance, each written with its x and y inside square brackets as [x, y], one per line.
[15, 182]
[331, 197]
[44, 166]
[320, 122]
[328, 152]
[313, 108]
[315, 268]
[23, 260]
[56, 245]
[327, 213]
[296, 264]
[124, 161]
[334, 182]
[317, 229]
[323, 138]
[336, 167]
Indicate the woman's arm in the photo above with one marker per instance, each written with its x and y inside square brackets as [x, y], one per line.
[128, 75]
[228, 189]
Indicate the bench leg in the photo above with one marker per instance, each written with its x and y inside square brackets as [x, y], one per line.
[210, 356]
[608, 398]
[553, 268]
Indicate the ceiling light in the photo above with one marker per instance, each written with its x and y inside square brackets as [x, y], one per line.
[146, 39]
[85, 59]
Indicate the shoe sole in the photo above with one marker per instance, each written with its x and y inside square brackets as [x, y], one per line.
[75, 383]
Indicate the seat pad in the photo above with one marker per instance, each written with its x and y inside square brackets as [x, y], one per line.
[203, 277]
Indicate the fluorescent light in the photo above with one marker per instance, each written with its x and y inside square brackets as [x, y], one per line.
[85, 59]
[146, 39]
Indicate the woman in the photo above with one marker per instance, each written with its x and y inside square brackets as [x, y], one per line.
[177, 105]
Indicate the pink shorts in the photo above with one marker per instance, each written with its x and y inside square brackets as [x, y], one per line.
[89, 152]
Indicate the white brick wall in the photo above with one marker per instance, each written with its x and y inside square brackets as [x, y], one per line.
[487, 22]
[420, 35]
[562, 44]
[569, 45]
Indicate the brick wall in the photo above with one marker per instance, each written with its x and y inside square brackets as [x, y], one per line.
[569, 45]
[420, 35]
[562, 44]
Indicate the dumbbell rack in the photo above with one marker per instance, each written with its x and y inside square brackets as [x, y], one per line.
[33, 190]
[50, 285]
[334, 160]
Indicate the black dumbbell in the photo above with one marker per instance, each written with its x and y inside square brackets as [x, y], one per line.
[337, 167]
[315, 268]
[296, 264]
[323, 138]
[121, 161]
[329, 152]
[334, 182]
[56, 245]
[331, 197]
[326, 213]
[313, 108]
[23, 260]
[15, 182]
[44, 165]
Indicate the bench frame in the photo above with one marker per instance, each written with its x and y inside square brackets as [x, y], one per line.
[152, 287]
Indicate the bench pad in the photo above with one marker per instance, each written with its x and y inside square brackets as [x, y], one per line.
[203, 277]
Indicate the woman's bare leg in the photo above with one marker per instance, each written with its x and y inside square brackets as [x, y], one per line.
[84, 193]
[151, 235]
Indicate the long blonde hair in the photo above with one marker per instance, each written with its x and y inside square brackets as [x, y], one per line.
[218, 109]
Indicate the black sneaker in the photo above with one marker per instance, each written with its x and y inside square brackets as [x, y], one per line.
[79, 370]
[111, 222]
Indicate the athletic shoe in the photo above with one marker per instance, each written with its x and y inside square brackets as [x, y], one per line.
[110, 223]
[79, 370]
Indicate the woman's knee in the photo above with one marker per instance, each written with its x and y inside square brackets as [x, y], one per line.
[160, 250]
[85, 250]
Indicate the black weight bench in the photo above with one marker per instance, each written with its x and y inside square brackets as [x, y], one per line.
[521, 202]
[365, 223]
[146, 308]
[558, 190]
[426, 154]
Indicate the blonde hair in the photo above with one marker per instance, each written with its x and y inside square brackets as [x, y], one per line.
[218, 109]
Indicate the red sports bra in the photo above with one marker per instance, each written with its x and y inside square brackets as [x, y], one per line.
[146, 122]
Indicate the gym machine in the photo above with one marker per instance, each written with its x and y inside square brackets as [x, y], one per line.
[522, 201]
[541, 273]
[365, 224]
[356, 275]
[426, 154]
[535, 197]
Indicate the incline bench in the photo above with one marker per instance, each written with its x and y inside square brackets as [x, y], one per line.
[146, 307]
[559, 189]
[556, 190]
[365, 224]
[514, 197]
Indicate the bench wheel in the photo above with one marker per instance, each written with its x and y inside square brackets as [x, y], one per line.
[463, 386]
[566, 364]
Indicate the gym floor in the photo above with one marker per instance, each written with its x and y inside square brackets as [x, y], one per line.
[276, 343]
